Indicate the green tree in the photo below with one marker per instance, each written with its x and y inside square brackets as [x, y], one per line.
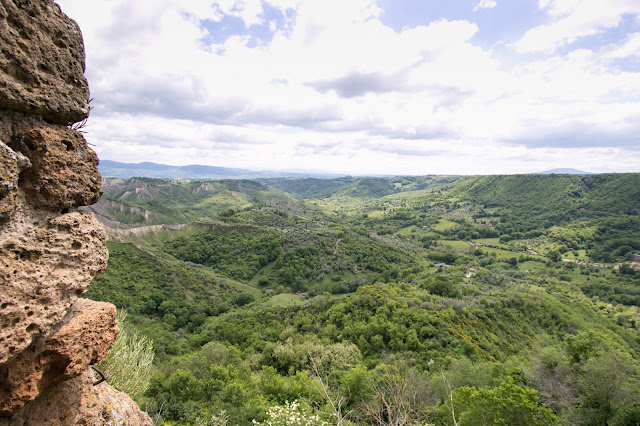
[505, 405]
[608, 389]
[580, 347]
[313, 354]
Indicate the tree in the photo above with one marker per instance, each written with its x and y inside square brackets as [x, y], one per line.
[625, 269]
[554, 255]
[399, 396]
[551, 374]
[505, 405]
[580, 347]
[316, 354]
[607, 389]
[331, 393]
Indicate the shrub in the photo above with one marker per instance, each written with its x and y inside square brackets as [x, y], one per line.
[220, 419]
[290, 414]
[507, 404]
[128, 363]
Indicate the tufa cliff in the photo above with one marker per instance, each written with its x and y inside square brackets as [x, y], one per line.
[49, 251]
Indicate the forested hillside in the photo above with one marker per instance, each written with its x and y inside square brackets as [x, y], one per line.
[441, 300]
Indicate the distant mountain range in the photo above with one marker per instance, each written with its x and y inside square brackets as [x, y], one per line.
[110, 168]
[565, 172]
[116, 169]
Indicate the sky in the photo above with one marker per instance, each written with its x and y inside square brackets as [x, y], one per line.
[378, 87]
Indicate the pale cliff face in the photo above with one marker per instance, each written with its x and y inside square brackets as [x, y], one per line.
[49, 251]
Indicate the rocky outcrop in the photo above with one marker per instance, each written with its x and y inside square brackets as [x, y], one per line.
[45, 266]
[42, 62]
[63, 172]
[78, 402]
[65, 353]
[49, 250]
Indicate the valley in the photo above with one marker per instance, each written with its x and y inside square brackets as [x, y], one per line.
[401, 300]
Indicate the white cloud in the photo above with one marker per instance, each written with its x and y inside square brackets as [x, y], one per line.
[485, 4]
[630, 48]
[572, 20]
[341, 91]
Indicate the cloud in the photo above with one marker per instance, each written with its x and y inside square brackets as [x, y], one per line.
[630, 48]
[485, 4]
[572, 20]
[335, 88]
[399, 147]
[358, 84]
[587, 135]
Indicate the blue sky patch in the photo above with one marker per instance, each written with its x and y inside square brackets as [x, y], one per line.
[506, 22]
[607, 36]
[258, 34]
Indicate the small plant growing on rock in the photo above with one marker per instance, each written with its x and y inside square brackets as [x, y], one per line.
[127, 366]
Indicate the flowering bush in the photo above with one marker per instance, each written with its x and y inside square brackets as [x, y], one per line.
[290, 414]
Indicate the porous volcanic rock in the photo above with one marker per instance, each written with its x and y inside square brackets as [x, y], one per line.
[42, 62]
[78, 402]
[83, 339]
[117, 408]
[45, 265]
[64, 170]
[8, 181]
[49, 251]
[11, 164]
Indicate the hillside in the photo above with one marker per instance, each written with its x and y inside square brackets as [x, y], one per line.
[517, 288]
[310, 187]
[149, 201]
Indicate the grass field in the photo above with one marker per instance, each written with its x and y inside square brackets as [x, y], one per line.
[285, 299]
[376, 214]
[456, 245]
[491, 242]
[444, 224]
[409, 230]
[243, 287]
[582, 255]
[531, 266]
[499, 253]
[262, 273]
[407, 195]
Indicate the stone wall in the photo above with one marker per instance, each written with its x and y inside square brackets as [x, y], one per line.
[49, 251]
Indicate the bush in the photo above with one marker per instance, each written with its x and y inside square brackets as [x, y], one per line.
[290, 414]
[127, 366]
[627, 270]
[507, 404]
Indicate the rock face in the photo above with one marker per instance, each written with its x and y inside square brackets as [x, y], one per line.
[49, 251]
[42, 62]
[63, 172]
[65, 353]
[78, 402]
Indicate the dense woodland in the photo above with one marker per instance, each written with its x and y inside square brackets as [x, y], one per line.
[506, 300]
